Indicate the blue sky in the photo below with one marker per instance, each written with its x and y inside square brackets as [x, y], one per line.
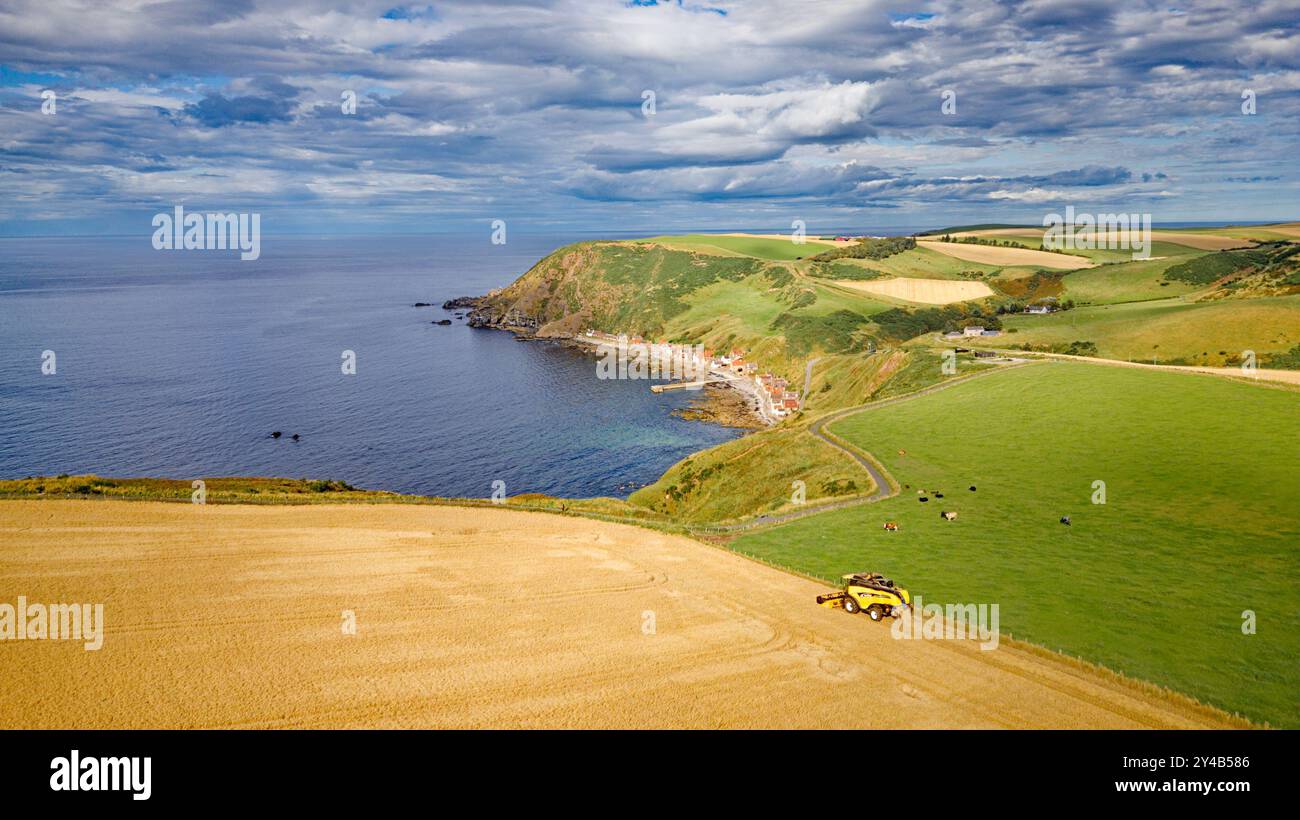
[765, 112]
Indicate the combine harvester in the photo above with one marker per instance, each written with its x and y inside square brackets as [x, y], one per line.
[869, 592]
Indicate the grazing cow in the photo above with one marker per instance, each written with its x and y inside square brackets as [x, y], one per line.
[891, 526]
[1065, 519]
[972, 488]
[948, 515]
[922, 498]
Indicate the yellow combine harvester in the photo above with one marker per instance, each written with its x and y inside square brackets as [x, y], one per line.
[869, 592]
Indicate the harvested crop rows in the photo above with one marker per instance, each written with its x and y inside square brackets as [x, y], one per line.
[227, 615]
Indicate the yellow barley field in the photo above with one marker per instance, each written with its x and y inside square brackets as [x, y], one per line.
[232, 616]
[924, 291]
[994, 255]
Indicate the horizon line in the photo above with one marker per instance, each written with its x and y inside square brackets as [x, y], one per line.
[649, 232]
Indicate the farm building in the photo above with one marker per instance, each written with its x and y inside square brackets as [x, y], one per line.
[973, 330]
[1038, 309]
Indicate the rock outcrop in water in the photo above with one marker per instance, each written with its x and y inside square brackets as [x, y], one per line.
[509, 319]
[480, 311]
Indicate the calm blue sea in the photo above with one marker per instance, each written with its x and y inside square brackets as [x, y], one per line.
[179, 364]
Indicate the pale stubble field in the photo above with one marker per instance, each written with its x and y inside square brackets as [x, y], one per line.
[231, 616]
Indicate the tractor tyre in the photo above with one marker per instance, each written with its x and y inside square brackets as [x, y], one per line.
[875, 612]
[851, 605]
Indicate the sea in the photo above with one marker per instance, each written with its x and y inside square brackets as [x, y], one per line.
[122, 360]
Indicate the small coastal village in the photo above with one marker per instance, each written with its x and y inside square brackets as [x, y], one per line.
[774, 400]
[697, 365]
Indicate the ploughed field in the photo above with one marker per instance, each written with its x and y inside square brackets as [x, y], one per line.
[232, 616]
[1198, 527]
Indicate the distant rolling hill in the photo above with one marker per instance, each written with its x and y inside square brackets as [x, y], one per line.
[732, 292]
[785, 302]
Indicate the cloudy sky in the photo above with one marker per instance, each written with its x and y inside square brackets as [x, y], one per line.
[537, 113]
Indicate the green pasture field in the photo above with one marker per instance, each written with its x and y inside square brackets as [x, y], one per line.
[1198, 526]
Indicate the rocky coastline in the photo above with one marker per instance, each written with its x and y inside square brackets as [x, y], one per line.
[481, 313]
[717, 403]
[723, 405]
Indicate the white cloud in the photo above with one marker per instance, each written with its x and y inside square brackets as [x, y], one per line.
[135, 98]
[1029, 195]
[535, 107]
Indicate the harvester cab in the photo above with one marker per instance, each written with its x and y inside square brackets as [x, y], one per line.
[869, 592]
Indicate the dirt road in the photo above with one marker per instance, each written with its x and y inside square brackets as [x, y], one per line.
[1257, 375]
[220, 616]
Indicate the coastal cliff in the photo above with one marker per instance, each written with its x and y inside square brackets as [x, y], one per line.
[781, 311]
[614, 287]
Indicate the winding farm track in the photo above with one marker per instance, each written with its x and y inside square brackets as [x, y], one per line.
[225, 616]
[807, 380]
[886, 486]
